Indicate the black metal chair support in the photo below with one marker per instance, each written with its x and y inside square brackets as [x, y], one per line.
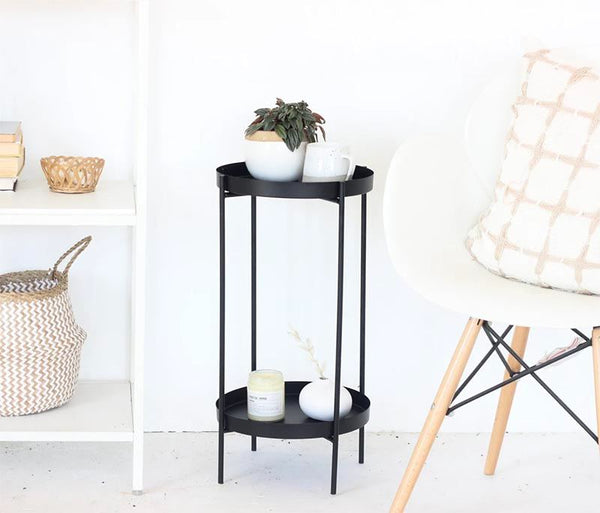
[495, 345]
[479, 365]
[499, 340]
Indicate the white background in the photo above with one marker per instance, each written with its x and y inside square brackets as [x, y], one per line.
[378, 71]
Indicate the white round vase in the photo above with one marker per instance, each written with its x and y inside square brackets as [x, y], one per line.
[317, 400]
[268, 158]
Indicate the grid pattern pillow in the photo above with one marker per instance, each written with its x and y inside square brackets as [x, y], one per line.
[543, 226]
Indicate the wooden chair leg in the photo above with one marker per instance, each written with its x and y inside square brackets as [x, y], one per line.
[507, 394]
[436, 415]
[596, 351]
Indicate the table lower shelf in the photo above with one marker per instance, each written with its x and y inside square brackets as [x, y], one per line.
[295, 425]
[98, 411]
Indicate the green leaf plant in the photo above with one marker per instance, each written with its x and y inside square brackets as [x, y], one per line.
[293, 122]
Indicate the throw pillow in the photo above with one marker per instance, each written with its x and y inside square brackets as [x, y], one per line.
[543, 226]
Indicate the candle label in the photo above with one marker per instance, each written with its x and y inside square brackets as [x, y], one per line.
[265, 404]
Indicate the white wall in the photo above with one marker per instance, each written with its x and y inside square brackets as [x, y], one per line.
[379, 72]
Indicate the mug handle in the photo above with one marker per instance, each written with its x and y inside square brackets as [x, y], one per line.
[350, 166]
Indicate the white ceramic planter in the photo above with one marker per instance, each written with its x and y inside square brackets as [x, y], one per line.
[317, 400]
[268, 158]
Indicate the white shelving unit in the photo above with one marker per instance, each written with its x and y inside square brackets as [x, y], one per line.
[100, 411]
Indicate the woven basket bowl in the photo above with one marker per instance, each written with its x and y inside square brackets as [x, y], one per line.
[72, 174]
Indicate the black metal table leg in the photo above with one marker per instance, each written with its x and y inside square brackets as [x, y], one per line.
[363, 287]
[221, 332]
[253, 292]
[338, 343]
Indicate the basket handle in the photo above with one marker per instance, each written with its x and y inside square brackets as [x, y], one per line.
[78, 249]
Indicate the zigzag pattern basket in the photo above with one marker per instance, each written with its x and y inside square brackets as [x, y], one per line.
[40, 342]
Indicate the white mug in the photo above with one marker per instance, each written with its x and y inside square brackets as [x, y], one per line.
[327, 162]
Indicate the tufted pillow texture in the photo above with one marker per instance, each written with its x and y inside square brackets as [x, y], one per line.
[543, 226]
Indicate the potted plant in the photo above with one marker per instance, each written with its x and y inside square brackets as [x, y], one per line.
[276, 140]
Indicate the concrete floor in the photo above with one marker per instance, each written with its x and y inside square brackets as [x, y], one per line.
[546, 473]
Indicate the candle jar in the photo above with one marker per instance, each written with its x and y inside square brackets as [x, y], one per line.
[266, 396]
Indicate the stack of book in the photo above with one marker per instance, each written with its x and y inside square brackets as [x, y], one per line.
[12, 154]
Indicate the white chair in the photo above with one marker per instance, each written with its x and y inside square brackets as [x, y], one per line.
[436, 189]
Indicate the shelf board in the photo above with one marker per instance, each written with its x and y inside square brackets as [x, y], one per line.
[99, 411]
[33, 204]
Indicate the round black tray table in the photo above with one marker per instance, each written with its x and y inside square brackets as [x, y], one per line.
[233, 180]
[295, 425]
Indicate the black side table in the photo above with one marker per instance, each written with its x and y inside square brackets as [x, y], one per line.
[234, 180]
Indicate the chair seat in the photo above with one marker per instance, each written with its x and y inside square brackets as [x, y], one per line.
[448, 276]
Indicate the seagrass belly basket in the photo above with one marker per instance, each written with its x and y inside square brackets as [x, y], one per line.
[40, 342]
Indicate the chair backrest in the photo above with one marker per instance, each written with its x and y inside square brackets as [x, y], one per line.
[487, 125]
[437, 187]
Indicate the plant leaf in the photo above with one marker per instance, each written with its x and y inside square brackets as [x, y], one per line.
[289, 143]
[323, 132]
[281, 131]
[255, 127]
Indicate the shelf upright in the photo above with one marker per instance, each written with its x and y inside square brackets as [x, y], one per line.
[138, 293]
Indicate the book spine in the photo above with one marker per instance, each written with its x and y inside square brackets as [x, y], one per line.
[11, 149]
[12, 168]
[12, 137]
